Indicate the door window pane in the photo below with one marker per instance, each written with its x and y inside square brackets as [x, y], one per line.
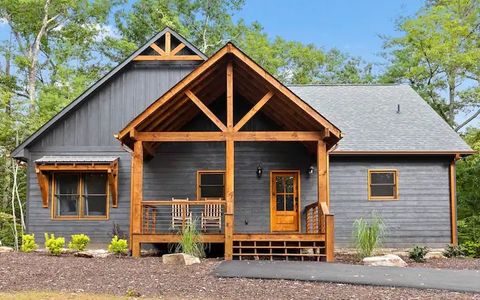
[289, 203]
[289, 184]
[279, 184]
[280, 203]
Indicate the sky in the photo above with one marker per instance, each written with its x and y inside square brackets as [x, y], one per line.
[353, 26]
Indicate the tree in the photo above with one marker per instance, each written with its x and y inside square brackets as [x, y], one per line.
[438, 55]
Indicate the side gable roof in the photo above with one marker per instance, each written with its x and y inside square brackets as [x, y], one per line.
[17, 152]
[371, 122]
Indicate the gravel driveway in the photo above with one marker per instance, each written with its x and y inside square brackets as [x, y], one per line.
[149, 277]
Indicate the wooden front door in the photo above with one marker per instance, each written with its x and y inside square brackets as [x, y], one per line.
[284, 201]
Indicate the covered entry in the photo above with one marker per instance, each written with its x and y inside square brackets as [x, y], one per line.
[220, 82]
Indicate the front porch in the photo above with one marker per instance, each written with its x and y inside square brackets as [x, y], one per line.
[312, 242]
[198, 125]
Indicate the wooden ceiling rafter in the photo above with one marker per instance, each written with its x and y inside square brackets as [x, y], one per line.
[167, 54]
[199, 89]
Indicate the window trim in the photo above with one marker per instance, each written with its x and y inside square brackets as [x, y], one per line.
[383, 198]
[80, 215]
[198, 190]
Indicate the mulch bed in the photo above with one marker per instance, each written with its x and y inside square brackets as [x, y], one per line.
[149, 277]
[456, 263]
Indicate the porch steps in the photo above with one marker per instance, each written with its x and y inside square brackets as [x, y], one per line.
[279, 250]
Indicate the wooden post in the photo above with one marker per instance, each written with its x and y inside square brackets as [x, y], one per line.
[453, 203]
[329, 237]
[229, 168]
[230, 95]
[322, 182]
[229, 193]
[136, 196]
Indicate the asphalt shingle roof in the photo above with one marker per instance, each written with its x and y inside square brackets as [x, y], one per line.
[367, 116]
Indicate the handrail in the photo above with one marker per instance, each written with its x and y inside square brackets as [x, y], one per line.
[190, 202]
[325, 209]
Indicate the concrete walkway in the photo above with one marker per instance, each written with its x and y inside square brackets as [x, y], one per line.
[422, 278]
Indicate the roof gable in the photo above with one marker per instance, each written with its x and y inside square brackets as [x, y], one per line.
[208, 81]
[160, 37]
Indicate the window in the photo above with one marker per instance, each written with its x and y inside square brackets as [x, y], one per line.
[382, 184]
[80, 195]
[211, 184]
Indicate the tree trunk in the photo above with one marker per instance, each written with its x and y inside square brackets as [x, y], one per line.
[451, 99]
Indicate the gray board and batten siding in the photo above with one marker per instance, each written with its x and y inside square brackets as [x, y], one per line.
[88, 130]
[420, 215]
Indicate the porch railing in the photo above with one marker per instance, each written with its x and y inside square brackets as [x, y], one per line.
[171, 216]
[320, 220]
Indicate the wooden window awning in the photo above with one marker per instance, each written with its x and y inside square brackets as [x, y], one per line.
[48, 164]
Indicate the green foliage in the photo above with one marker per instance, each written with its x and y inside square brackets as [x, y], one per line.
[453, 251]
[79, 242]
[54, 245]
[28, 243]
[368, 235]
[437, 53]
[417, 253]
[118, 246]
[471, 249]
[468, 191]
[190, 242]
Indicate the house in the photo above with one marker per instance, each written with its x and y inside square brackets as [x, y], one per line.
[170, 137]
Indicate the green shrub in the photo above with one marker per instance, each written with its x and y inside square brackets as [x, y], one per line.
[471, 249]
[79, 242]
[469, 229]
[54, 245]
[190, 241]
[118, 246]
[417, 253]
[28, 243]
[453, 251]
[368, 235]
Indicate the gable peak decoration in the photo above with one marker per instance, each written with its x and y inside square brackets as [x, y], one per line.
[169, 47]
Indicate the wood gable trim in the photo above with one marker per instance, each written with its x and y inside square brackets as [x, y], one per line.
[167, 54]
[183, 85]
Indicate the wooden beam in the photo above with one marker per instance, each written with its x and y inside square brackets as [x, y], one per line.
[157, 49]
[113, 183]
[175, 238]
[181, 136]
[282, 89]
[206, 110]
[75, 167]
[453, 203]
[322, 168]
[166, 57]
[241, 136]
[230, 95]
[277, 136]
[278, 237]
[198, 72]
[229, 197]
[136, 194]
[177, 49]
[253, 111]
[168, 42]
[43, 183]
